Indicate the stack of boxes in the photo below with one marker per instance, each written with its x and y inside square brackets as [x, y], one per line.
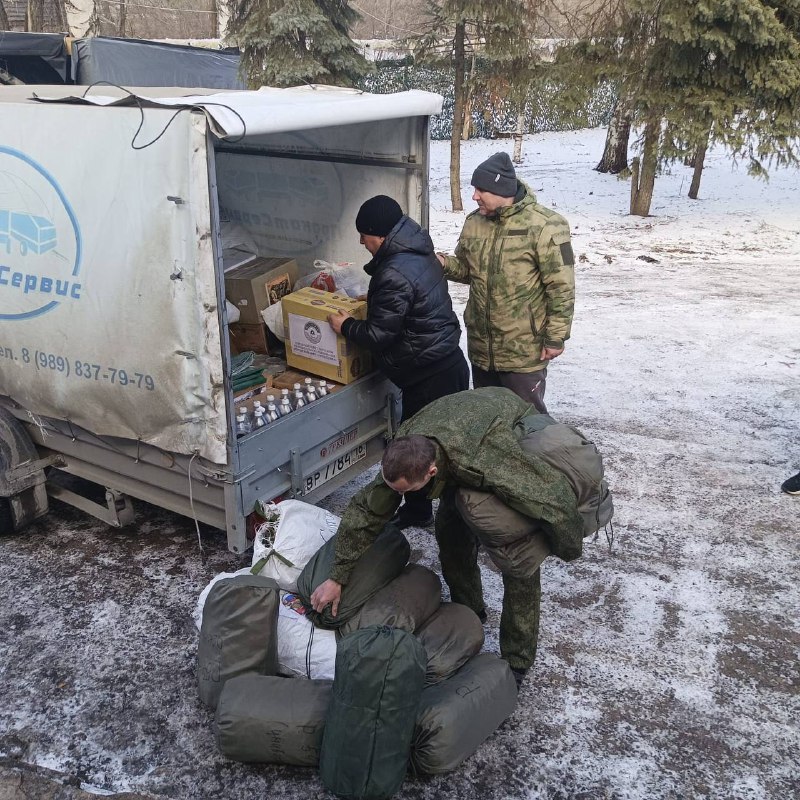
[311, 344]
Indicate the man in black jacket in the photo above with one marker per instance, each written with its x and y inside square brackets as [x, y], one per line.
[411, 327]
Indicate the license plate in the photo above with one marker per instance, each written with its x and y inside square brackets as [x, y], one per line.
[333, 468]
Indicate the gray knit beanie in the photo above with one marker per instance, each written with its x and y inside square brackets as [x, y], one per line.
[496, 175]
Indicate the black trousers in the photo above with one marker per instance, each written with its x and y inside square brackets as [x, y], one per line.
[415, 398]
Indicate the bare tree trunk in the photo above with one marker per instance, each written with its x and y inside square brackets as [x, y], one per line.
[699, 163]
[35, 15]
[458, 120]
[519, 133]
[123, 18]
[615, 152]
[643, 175]
[4, 22]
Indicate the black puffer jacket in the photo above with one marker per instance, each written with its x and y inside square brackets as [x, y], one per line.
[411, 327]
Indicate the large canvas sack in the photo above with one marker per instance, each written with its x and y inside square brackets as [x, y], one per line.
[566, 449]
[197, 614]
[281, 551]
[457, 715]
[382, 562]
[273, 720]
[380, 673]
[303, 649]
[512, 540]
[238, 633]
[451, 637]
[406, 602]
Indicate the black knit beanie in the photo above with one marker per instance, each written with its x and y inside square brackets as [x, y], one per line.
[378, 215]
[496, 175]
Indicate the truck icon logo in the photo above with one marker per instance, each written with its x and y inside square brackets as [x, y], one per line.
[40, 240]
[33, 233]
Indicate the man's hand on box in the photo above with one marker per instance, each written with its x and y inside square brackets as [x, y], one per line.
[327, 593]
[336, 320]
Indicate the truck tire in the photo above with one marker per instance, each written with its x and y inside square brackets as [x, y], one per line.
[6, 521]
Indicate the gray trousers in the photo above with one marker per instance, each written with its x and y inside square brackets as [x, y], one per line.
[529, 386]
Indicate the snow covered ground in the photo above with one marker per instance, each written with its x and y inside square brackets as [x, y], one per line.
[669, 663]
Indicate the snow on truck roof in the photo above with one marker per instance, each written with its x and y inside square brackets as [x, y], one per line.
[234, 114]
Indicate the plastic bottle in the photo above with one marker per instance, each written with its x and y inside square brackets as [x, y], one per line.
[256, 406]
[243, 424]
[260, 420]
[280, 404]
[308, 384]
[270, 399]
[299, 400]
[285, 406]
[322, 389]
[272, 412]
[311, 393]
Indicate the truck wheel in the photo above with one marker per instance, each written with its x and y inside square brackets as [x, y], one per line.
[6, 522]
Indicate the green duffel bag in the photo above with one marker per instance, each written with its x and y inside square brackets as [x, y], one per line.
[406, 602]
[457, 715]
[512, 540]
[238, 633]
[274, 720]
[381, 563]
[451, 637]
[380, 673]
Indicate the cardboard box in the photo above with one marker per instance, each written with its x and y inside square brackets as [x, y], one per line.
[257, 338]
[312, 345]
[257, 284]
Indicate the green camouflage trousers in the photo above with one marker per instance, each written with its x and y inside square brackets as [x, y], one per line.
[458, 553]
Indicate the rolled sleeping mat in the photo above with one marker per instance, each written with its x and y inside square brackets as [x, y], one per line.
[406, 602]
[267, 719]
[457, 715]
[238, 633]
[381, 563]
[451, 637]
[513, 541]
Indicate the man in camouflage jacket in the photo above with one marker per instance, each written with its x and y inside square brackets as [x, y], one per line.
[476, 447]
[516, 257]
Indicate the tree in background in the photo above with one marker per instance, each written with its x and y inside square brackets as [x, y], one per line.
[291, 42]
[498, 33]
[690, 74]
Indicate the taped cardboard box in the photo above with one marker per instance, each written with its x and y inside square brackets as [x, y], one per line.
[257, 284]
[311, 343]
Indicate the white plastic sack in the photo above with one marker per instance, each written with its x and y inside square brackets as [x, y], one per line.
[273, 318]
[303, 650]
[197, 614]
[301, 530]
[348, 277]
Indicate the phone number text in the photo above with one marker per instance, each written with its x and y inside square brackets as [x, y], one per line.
[80, 369]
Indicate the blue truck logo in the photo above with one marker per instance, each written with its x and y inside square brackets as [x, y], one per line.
[33, 233]
[40, 240]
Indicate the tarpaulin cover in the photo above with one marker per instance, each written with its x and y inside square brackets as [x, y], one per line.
[237, 115]
[108, 298]
[34, 57]
[137, 62]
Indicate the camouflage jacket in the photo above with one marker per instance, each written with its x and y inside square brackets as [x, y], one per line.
[476, 447]
[520, 269]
